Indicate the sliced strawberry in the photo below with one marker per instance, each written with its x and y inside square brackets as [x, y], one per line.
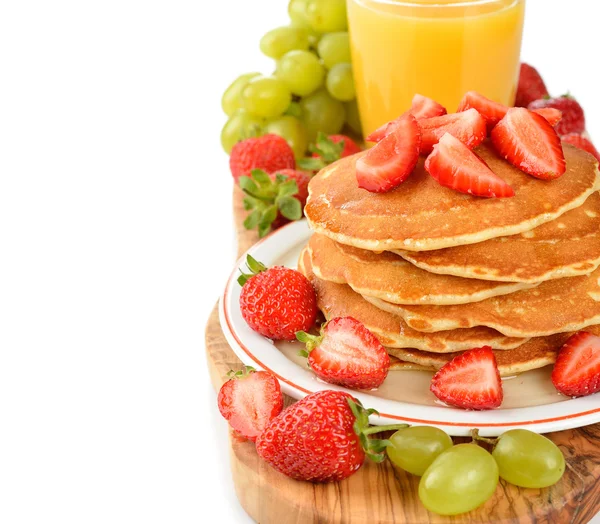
[550, 113]
[455, 166]
[577, 369]
[470, 381]
[492, 111]
[424, 107]
[389, 163]
[530, 143]
[469, 127]
[582, 143]
[249, 400]
[347, 353]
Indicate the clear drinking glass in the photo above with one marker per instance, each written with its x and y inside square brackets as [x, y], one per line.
[438, 48]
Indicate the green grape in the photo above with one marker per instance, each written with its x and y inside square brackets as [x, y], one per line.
[321, 112]
[241, 125]
[297, 11]
[353, 117]
[279, 41]
[462, 478]
[294, 109]
[340, 82]
[293, 131]
[327, 16]
[334, 48]
[231, 100]
[266, 97]
[301, 71]
[528, 460]
[415, 448]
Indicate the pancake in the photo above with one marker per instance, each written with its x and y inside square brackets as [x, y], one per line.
[566, 247]
[388, 277]
[422, 215]
[534, 354]
[400, 365]
[555, 306]
[338, 300]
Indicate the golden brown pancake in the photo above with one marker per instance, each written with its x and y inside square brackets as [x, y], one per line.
[400, 365]
[421, 215]
[555, 306]
[566, 247]
[388, 277]
[338, 300]
[536, 353]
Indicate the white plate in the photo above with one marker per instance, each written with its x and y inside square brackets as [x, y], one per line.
[530, 400]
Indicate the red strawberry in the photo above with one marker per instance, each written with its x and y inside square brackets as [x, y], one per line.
[470, 381]
[276, 302]
[549, 113]
[573, 118]
[455, 166]
[322, 438]
[350, 147]
[582, 143]
[268, 152]
[423, 107]
[346, 353]
[577, 369]
[275, 199]
[327, 150]
[530, 143]
[389, 163]
[249, 400]
[469, 127]
[531, 86]
[492, 111]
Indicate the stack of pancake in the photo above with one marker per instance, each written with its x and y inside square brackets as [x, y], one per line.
[433, 272]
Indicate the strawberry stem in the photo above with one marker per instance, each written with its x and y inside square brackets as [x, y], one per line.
[254, 266]
[379, 429]
[311, 341]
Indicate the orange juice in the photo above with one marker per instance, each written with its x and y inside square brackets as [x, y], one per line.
[438, 48]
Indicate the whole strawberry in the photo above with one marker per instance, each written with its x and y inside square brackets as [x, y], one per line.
[273, 199]
[322, 438]
[276, 302]
[328, 149]
[531, 86]
[269, 153]
[346, 353]
[582, 143]
[249, 400]
[573, 118]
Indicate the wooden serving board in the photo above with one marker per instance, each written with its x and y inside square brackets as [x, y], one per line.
[383, 494]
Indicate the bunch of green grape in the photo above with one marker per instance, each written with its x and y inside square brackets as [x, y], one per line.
[312, 88]
[457, 479]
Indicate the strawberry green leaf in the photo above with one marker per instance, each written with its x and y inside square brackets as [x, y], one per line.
[290, 207]
[288, 188]
[247, 184]
[252, 219]
[254, 265]
[311, 164]
[249, 203]
[261, 177]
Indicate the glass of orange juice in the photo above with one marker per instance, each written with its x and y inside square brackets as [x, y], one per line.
[438, 48]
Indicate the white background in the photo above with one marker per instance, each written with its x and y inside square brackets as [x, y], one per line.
[116, 240]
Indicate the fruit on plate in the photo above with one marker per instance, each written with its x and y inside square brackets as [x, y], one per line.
[276, 302]
[415, 448]
[389, 163]
[573, 117]
[346, 353]
[492, 111]
[576, 372]
[455, 166]
[459, 480]
[422, 107]
[249, 400]
[470, 381]
[328, 149]
[531, 86]
[468, 126]
[322, 438]
[582, 143]
[529, 143]
[275, 199]
[528, 460]
[268, 152]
